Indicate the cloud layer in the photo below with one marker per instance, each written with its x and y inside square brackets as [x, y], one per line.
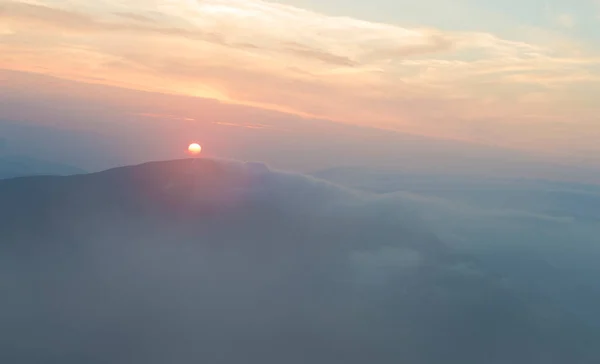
[531, 93]
[540, 235]
[225, 262]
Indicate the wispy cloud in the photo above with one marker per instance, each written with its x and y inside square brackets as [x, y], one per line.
[164, 116]
[168, 117]
[461, 84]
[237, 125]
[560, 18]
[566, 20]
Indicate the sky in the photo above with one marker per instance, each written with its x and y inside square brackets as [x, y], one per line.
[437, 125]
[518, 75]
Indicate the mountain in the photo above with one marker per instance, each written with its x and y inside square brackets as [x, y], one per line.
[18, 166]
[212, 261]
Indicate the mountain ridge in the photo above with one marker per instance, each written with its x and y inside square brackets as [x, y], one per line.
[189, 258]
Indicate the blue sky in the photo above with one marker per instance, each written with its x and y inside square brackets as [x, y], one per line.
[578, 18]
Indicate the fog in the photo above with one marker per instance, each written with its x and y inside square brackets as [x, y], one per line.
[225, 262]
[540, 235]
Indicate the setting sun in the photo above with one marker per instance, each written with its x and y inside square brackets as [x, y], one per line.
[194, 148]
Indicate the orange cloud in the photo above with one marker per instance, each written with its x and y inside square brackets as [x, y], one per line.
[466, 85]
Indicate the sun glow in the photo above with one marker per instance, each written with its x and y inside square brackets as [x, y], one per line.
[194, 149]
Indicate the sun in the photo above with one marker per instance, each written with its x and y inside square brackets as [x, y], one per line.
[194, 149]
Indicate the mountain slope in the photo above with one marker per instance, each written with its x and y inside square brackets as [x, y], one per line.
[212, 261]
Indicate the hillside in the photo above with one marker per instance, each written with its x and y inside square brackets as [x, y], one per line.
[225, 262]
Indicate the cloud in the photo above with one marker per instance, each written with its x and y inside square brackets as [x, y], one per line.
[43, 15]
[74, 21]
[164, 116]
[136, 17]
[237, 262]
[5, 30]
[247, 126]
[560, 17]
[539, 236]
[188, 119]
[468, 85]
[566, 20]
[304, 51]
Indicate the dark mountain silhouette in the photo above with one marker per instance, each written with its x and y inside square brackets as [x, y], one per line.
[222, 262]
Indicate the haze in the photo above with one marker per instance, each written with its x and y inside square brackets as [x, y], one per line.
[385, 181]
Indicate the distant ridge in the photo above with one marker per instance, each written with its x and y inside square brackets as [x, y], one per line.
[18, 166]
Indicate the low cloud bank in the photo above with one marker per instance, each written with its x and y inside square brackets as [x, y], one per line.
[541, 236]
[217, 261]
